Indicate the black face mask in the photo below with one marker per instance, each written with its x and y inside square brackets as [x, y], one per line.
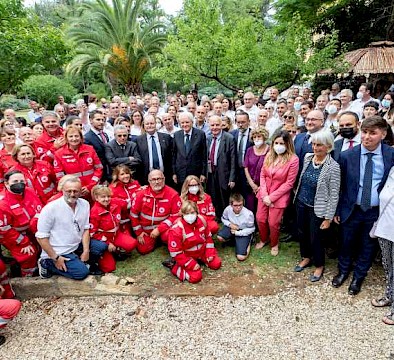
[18, 188]
[348, 133]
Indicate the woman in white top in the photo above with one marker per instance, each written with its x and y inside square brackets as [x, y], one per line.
[384, 231]
[136, 121]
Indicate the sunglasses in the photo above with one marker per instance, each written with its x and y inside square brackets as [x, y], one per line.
[288, 117]
[122, 135]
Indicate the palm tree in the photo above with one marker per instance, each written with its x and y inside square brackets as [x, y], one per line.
[109, 38]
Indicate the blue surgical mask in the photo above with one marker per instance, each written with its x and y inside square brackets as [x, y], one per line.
[332, 109]
[359, 95]
[297, 106]
[386, 103]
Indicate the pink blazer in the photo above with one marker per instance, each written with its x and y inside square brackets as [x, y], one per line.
[278, 181]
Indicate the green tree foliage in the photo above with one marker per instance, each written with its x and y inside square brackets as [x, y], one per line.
[55, 12]
[109, 38]
[26, 47]
[46, 88]
[237, 50]
[357, 22]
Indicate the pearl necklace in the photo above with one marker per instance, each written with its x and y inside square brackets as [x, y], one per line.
[317, 165]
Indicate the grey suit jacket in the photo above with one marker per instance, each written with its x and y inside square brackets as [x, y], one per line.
[226, 159]
[116, 156]
[328, 184]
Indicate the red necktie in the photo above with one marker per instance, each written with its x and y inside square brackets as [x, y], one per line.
[351, 142]
[212, 153]
[103, 138]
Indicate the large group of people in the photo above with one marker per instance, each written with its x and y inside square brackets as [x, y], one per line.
[85, 185]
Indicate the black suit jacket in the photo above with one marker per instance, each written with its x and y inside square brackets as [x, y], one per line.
[116, 156]
[226, 159]
[193, 163]
[92, 139]
[166, 153]
[337, 149]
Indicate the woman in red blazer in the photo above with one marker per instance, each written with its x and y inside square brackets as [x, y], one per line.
[277, 178]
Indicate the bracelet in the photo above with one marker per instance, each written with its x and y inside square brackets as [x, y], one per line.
[57, 258]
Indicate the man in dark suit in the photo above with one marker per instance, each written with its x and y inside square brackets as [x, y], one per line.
[221, 165]
[155, 150]
[242, 142]
[314, 121]
[98, 138]
[121, 151]
[189, 151]
[364, 170]
[349, 131]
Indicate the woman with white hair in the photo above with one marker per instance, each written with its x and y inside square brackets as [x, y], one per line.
[316, 201]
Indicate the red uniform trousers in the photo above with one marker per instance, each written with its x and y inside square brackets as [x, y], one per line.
[150, 243]
[124, 241]
[213, 226]
[9, 308]
[5, 283]
[195, 276]
[268, 221]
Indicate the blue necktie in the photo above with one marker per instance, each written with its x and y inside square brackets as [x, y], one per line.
[187, 144]
[155, 155]
[367, 184]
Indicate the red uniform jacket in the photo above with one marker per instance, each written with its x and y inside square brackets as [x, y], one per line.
[187, 243]
[6, 160]
[205, 206]
[41, 178]
[150, 210]
[18, 214]
[84, 163]
[124, 194]
[45, 150]
[104, 222]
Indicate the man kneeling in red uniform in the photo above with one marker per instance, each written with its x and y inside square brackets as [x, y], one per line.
[190, 240]
[153, 212]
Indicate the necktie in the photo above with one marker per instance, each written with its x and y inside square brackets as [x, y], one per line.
[103, 138]
[367, 184]
[240, 150]
[187, 144]
[155, 155]
[212, 153]
[351, 144]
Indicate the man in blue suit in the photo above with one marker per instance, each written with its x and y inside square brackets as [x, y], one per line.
[364, 170]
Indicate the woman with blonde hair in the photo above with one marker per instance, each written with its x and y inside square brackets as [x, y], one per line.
[277, 178]
[79, 159]
[192, 190]
[253, 162]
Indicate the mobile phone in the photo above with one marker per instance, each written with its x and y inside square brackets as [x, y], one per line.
[86, 99]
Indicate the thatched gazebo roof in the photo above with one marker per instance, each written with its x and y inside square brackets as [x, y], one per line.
[377, 58]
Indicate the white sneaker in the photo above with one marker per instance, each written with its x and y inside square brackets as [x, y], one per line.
[43, 271]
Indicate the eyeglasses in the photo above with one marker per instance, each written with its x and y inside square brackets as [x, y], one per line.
[122, 135]
[248, 99]
[76, 225]
[156, 179]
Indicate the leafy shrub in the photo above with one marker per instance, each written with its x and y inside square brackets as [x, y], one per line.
[12, 102]
[101, 90]
[46, 88]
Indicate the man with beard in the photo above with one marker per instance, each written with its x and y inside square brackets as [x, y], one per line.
[63, 234]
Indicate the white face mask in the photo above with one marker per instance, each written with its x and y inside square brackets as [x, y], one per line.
[259, 143]
[194, 189]
[332, 109]
[190, 218]
[279, 149]
[359, 95]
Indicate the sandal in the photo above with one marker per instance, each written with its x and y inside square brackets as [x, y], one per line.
[382, 302]
[260, 245]
[388, 319]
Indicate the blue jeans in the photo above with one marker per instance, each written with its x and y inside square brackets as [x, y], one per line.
[77, 269]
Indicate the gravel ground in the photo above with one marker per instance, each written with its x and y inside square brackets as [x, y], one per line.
[317, 322]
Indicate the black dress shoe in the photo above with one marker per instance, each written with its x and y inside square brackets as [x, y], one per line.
[339, 279]
[355, 286]
[168, 263]
[2, 340]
